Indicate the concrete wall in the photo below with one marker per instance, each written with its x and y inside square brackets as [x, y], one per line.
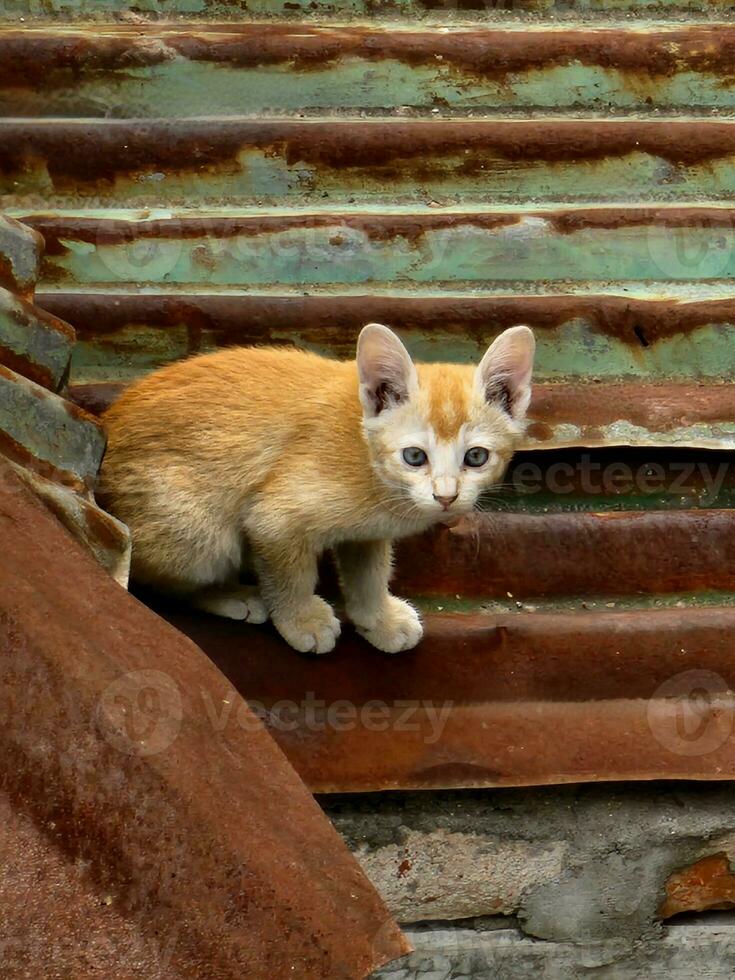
[588, 870]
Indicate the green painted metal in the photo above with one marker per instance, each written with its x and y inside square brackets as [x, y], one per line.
[38, 345]
[200, 163]
[48, 435]
[266, 249]
[249, 69]
[20, 256]
[617, 332]
[576, 349]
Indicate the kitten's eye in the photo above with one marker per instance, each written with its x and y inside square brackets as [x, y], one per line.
[414, 456]
[476, 456]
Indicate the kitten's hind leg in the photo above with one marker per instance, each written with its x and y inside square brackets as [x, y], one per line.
[242, 602]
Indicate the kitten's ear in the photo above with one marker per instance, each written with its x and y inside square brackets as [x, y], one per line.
[504, 373]
[387, 373]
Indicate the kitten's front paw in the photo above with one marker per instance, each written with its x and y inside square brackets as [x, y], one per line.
[313, 629]
[397, 628]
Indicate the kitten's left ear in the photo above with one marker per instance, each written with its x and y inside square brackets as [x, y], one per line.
[504, 373]
[387, 373]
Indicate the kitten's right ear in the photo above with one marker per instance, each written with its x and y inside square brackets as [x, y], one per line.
[387, 373]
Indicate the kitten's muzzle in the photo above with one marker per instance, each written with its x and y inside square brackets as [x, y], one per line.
[445, 501]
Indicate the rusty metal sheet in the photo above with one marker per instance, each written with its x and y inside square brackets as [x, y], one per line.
[506, 699]
[34, 343]
[198, 162]
[679, 347]
[47, 434]
[192, 840]
[20, 257]
[102, 534]
[632, 415]
[595, 416]
[499, 555]
[139, 10]
[595, 333]
[235, 68]
[381, 249]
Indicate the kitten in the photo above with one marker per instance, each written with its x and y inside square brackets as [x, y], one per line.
[264, 458]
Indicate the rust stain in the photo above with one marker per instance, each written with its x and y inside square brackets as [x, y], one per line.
[707, 884]
[377, 227]
[103, 530]
[32, 318]
[96, 398]
[27, 367]
[38, 60]
[19, 258]
[7, 274]
[655, 407]
[404, 867]
[24, 457]
[613, 219]
[333, 321]
[26, 315]
[91, 152]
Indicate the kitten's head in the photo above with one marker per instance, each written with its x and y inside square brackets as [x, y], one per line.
[440, 434]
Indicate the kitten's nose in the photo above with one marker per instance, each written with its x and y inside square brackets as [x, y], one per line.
[446, 502]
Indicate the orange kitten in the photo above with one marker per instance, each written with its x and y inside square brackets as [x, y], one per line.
[264, 458]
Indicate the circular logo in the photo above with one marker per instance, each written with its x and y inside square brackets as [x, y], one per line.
[140, 713]
[692, 713]
[702, 250]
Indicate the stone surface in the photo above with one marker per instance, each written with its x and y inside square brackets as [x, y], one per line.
[573, 864]
[34, 343]
[703, 948]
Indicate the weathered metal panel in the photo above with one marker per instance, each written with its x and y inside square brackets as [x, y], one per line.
[48, 435]
[140, 10]
[496, 700]
[197, 839]
[682, 344]
[633, 415]
[34, 343]
[199, 162]
[641, 332]
[102, 534]
[384, 248]
[598, 416]
[238, 69]
[20, 257]
[521, 556]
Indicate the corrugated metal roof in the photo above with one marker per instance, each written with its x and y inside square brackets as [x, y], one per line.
[450, 172]
[159, 825]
